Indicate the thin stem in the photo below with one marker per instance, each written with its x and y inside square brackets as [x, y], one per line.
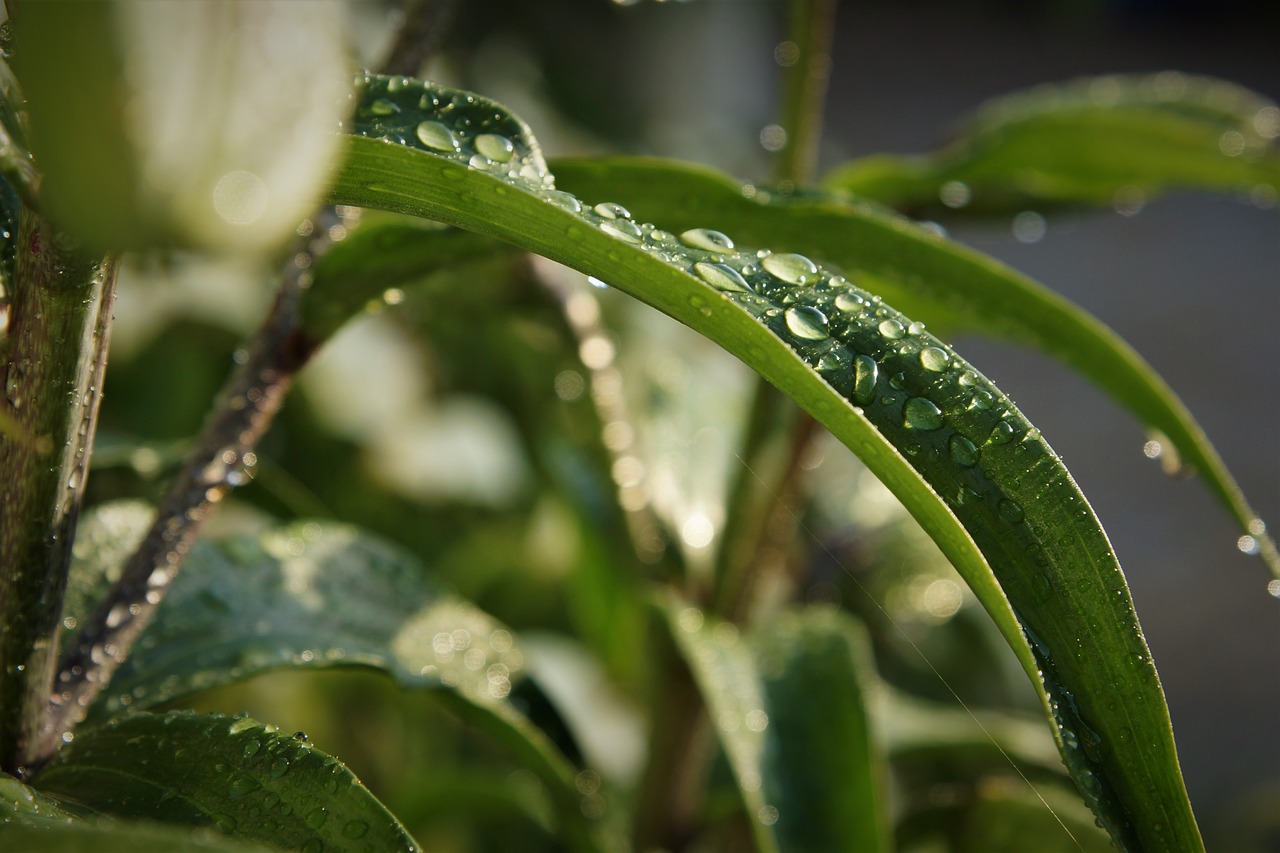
[216, 464]
[419, 35]
[53, 359]
[808, 62]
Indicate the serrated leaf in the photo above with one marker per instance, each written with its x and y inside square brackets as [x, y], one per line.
[790, 710]
[243, 778]
[1101, 140]
[961, 458]
[112, 837]
[941, 283]
[312, 595]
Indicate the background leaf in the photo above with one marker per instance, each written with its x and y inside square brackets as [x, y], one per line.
[235, 774]
[1101, 140]
[788, 703]
[123, 838]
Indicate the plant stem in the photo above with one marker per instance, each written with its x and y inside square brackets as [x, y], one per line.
[216, 464]
[54, 357]
[812, 23]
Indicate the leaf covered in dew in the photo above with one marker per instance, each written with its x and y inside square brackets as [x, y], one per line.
[976, 475]
[204, 124]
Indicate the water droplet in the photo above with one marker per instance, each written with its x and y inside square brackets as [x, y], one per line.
[316, 818]
[225, 823]
[705, 238]
[793, 269]
[1248, 545]
[355, 829]
[315, 845]
[963, 452]
[807, 323]
[495, 146]
[623, 229]
[435, 135]
[382, 107]
[1009, 511]
[1001, 433]
[850, 303]
[865, 375]
[243, 785]
[564, 200]
[981, 400]
[922, 414]
[891, 329]
[935, 359]
[251, 747]
[609, 210]
[722, 277]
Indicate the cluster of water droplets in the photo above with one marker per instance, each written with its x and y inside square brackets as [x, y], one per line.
[451, 124]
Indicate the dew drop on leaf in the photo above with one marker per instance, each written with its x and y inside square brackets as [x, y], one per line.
[934, 359]
[495, 146]
[962, 450]
[921, 414]
[891, 329]
[865, 374]
[705, 238]
[435, 135]
[1009, 510]
[610, 210]
[807, 323]
[722, 277]
[623, 229]
[793, 269]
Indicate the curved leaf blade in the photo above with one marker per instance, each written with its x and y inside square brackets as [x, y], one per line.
[939, 282]
[790, 709]
[976, 475]
[1096, 141]
[24, 806]
[239, 776]
[313, 595]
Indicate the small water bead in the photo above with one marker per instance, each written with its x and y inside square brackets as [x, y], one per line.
[382, 107]
[922, 414]
[891, 329]
[934, 359]
[495, 146]
[722, 277]
[1010, 511]
[610, 210]
[435, 135]
[705, 238]
[807, 323]
[963, 451]
[916, 328]
[623, 229]
[981, 400]
[791, 268]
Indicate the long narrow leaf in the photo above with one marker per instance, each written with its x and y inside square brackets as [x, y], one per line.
[1100, 140]
[938, 282]
[964, 461]
[789, 707]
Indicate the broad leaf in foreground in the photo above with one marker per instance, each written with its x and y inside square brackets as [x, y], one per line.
[239, 776]
[313, 595]
[115, 837]
[21, 805]
[976, 475]
[942, 283]
[1102, 140]
[788, 706]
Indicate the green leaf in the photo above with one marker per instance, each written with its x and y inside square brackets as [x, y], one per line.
[311, 595]
[1098, 141]
[961, 458]
[789, 707]
[123, 838]
[239, 776]
[944, 284]
[23, 806]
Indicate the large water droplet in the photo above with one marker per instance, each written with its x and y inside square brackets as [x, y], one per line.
[793, 269]
[609, 210]
[807, 323]
[919, 413]
[564, 200]
[850, 303]
[705, 238]
[1001, 433]
[935, 359]
[722, 277]
[623, 229]
[865, 374]
[435, 135]
[963, 452]
[355, 829]
[1009, 511]
[495, 146]
[891, 329]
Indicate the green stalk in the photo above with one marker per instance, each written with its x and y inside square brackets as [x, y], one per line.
[53, 361]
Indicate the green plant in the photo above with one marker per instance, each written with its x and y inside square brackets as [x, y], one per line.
[771, 724]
